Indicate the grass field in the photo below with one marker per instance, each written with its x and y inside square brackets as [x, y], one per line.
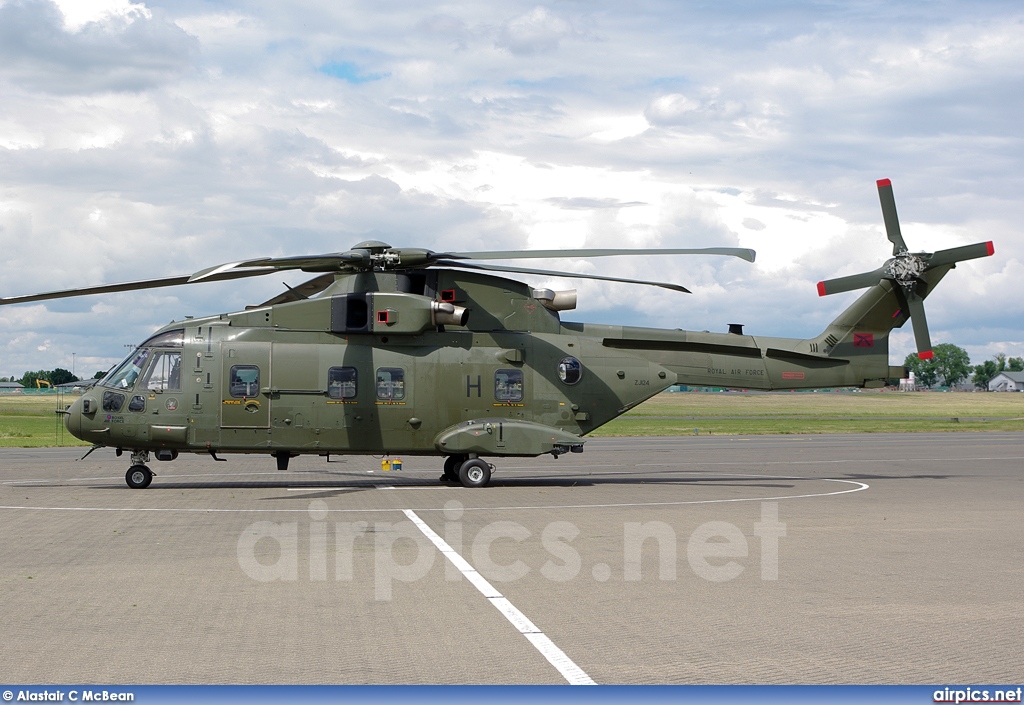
[731, 413]
[30, 421]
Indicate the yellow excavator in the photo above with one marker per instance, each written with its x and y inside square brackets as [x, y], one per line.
[40, 383]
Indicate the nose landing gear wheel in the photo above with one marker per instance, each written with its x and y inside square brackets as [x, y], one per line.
[138, 477]
[474, 473]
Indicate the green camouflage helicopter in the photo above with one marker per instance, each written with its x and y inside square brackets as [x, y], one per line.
[407, 351]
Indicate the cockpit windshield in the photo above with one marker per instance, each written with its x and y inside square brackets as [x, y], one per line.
[125, 374]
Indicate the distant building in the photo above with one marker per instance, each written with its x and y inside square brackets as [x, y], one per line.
[1007, 382]
[10, 387]
[908, 384]
[76, 386]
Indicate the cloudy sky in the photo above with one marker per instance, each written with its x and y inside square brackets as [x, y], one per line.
[147, 140]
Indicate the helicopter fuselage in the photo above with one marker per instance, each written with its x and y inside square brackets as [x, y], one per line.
[256, 389]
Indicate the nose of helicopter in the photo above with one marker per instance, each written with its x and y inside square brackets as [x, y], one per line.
[73, 419]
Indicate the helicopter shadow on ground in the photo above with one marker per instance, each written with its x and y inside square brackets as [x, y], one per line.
[534, 483]
[635, 481]
[161, 487]
[875, 476]
[357, 481]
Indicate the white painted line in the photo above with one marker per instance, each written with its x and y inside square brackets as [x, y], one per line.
[518, 619]
[572, 673]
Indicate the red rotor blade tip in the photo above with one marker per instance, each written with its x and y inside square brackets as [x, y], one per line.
[926, 355]
[991, 248]
[821, 288]
[883, 182]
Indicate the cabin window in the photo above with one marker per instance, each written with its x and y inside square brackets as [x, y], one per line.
[341, 382]
[138, 403]
[570, 371]
[390, 383]
[508, 385]
[164, 372]
[244, 381]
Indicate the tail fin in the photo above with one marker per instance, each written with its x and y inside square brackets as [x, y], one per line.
[863, 328]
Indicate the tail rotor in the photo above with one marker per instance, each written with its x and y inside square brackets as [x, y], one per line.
[905, 270]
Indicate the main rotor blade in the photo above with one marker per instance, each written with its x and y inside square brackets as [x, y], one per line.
[959, 254]
[741, 252]
[413, 258]
[917, 318]
[892, 222]
[126, 286]
[854, 281]
[552, 273]
[302, 291]
[266, 265]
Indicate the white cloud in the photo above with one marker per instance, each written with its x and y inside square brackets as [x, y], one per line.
[537, 31]
[77, 13]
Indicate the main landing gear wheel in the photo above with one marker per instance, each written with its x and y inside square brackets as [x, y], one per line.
[138, 477]
[451, 468]
[474, 473]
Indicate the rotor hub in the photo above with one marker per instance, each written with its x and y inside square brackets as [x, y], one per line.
[906, 268]
[385, 260]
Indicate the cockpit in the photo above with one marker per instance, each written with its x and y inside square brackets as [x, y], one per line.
[155, 366]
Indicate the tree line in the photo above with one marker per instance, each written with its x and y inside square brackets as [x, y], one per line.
[951, 365]
[54, 377]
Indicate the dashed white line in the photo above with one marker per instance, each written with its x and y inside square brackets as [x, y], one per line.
[572, 673]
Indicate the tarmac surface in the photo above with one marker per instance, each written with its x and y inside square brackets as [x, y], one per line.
[767, 559]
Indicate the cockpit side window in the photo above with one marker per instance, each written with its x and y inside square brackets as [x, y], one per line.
[125, 374]
[164, 372]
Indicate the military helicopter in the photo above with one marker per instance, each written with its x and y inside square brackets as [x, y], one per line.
[408, 351]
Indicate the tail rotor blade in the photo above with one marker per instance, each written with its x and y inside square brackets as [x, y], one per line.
[959, 254]
[917, 318]
[892, 221]
[854, 281]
